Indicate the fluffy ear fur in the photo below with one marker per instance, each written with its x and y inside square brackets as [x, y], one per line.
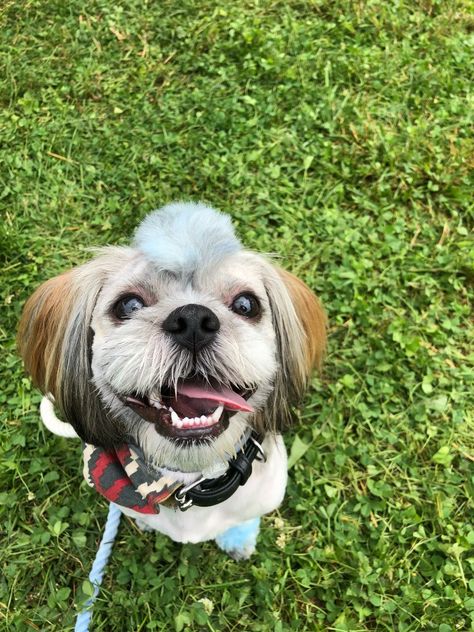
[55, 340]
[300, 326]
[312, 318]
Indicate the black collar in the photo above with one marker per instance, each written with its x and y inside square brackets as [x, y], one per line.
[206, 492]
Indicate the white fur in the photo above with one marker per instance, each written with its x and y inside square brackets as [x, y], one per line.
[139, 356]
[52, 423]
[182, 254]
[262, 493]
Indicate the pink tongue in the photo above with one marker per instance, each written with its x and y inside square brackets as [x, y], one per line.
[231, 400]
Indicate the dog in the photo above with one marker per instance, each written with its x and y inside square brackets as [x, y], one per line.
[177, 361]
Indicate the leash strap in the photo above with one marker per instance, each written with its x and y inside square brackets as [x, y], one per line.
[97, 572]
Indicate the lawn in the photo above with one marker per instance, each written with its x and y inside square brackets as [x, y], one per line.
[338, 135]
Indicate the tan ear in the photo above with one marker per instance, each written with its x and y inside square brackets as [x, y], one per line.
[299, 322]
[311, 316]
[41, 331]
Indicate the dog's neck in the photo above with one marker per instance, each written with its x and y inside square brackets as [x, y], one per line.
[124, 477]
[213, 470]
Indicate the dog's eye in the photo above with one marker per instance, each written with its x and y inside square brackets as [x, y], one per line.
[126, 306]
[246, 305]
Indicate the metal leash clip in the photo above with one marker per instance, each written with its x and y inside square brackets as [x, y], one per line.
[180, 495]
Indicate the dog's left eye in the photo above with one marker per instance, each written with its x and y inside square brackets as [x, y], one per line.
[246, 305]
[126, 306]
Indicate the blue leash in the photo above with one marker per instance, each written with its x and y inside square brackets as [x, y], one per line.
[97, 572]
[58, 427]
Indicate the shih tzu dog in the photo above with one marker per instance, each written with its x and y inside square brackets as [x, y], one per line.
[177, 361]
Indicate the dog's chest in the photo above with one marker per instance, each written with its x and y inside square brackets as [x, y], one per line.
[262, 493]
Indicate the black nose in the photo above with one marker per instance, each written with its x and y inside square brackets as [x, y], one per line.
[192, 326]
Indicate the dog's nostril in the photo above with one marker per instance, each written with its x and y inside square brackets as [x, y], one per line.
[175, 326]
[192, 326]
[211, 323]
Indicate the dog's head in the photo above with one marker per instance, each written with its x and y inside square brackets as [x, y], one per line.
[179, 342]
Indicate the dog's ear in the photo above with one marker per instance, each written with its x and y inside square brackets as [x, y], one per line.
[55, 339]
[312, 319]
[41, 331]
[300, 326]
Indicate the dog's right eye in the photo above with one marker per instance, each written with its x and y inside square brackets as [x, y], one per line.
[126, 306]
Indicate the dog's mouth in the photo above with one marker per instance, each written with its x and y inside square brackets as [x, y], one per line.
[194, 410]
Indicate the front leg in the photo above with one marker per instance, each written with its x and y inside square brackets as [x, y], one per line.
[240, 541]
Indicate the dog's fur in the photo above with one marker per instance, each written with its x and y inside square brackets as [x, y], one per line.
[183, 254]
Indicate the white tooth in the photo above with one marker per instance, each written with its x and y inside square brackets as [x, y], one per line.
[186, 421]
[179, 424]
[175, 418]
[203, 418]
[216, 415]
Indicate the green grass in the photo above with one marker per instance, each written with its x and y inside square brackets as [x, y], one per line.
[338, 134]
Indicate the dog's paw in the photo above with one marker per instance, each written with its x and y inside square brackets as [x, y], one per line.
[240, 541]
[143, 525]
[240, 555]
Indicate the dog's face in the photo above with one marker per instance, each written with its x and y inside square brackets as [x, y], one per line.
[178, 343]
